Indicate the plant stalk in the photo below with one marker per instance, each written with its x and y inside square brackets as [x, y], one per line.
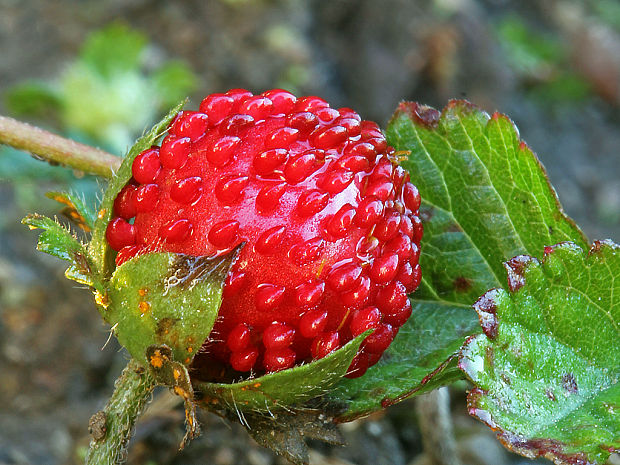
[112, 427]
[435, 423]
[56, 149]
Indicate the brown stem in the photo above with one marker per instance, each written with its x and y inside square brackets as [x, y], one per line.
[435, 423]
[56, 149]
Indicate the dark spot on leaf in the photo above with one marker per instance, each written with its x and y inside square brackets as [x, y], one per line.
[549, 393]
[164, 327]
[82, 263]
[487, 313]
[505, 379]
[489, 357]
[569, 383]
[377, 392]
[550, 230]
[462, 284]
[454, 227]
[426, 213]
[421, 114]
[515, 267]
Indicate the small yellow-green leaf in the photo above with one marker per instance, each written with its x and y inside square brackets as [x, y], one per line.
[58, 241]
[75, 209]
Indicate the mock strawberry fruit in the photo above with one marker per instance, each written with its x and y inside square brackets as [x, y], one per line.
[328, 218]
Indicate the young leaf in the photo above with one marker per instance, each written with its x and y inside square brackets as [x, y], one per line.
[115, 48]
[166, 299]
[75, 209]
[98, 247]
[547, 369]
[56, 240]
[485, 198]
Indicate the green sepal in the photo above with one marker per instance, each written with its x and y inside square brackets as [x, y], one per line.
[98, 247]
[547, 368]
[75, 209]
[166, 299]
[58, 241]
[283, 389]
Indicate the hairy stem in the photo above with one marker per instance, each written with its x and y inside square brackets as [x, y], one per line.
[435, 423]
[56, 149]
[112, 428]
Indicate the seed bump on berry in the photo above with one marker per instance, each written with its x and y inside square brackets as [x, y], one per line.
[268, 296]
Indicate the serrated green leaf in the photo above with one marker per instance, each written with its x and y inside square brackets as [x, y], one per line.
[547, 369]
[486, 198]
[283, 389]
[75, 210]
[56, 240]
[98, 246]
[166, 299]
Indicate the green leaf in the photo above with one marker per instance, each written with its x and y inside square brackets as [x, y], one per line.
[56, 240]
[547, 368]
[486, 198]
[98, 247]
[32, 98]
[166, 299]
[283, 389]
[174, 81]
[115, 48]
[76, 210]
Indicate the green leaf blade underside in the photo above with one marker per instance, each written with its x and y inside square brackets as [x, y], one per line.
[283, 389]
[485, 199]
[166, 299]
[98, 248]
[76, 209]
[425, 345]
[547, 369]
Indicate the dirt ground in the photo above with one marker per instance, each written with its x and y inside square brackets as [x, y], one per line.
[56, 363]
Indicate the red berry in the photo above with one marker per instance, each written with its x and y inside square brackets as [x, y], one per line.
[330, 225]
